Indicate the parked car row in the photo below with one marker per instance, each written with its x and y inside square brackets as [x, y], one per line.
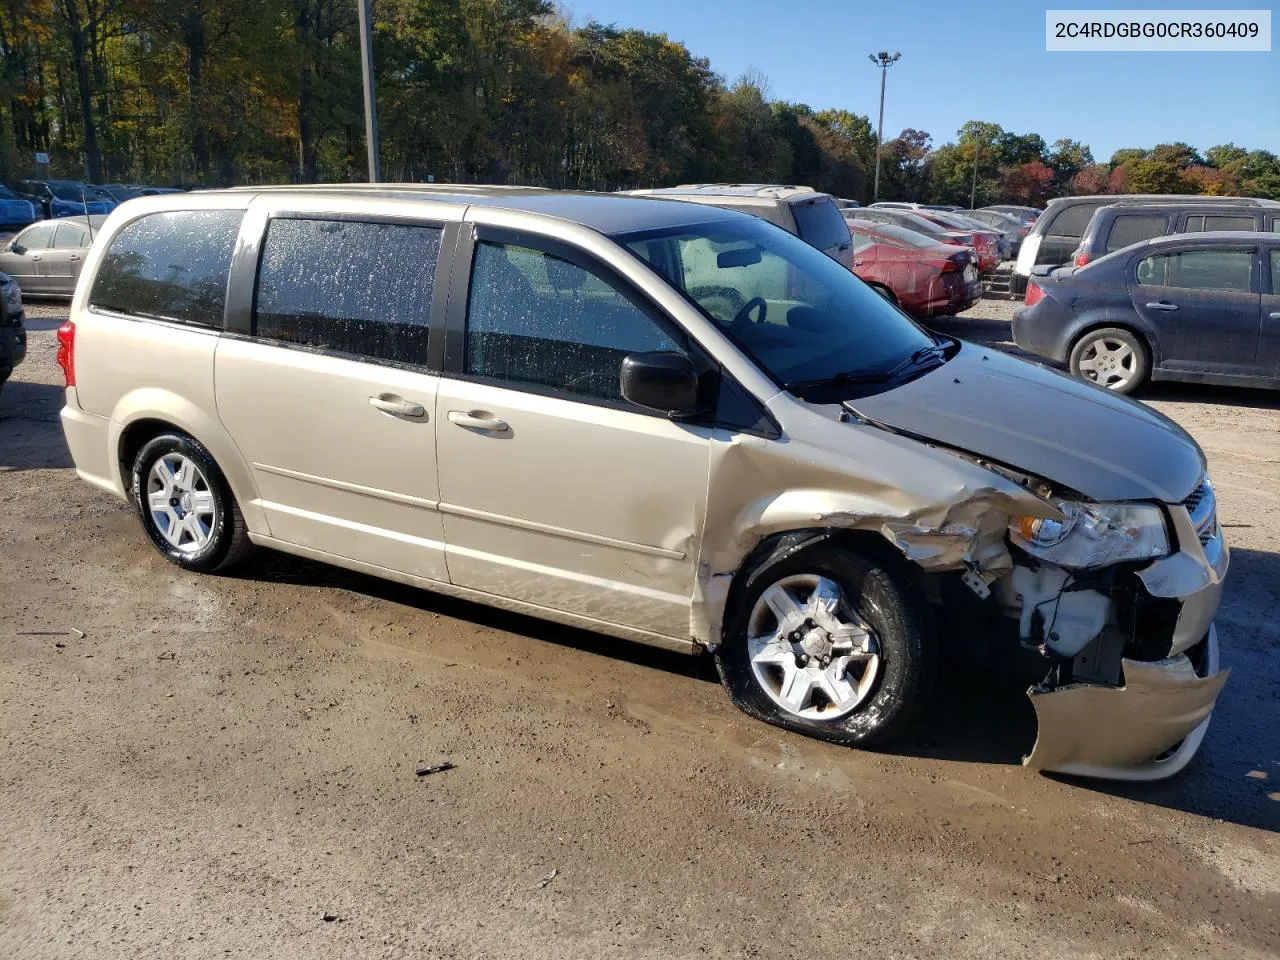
[1125, 289]
[25, 201]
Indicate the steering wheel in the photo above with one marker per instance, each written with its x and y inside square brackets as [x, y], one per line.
[755, 303]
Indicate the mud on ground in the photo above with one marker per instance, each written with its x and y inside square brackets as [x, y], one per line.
[224, 766]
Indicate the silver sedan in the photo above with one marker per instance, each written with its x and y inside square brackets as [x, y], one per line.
[46, 257]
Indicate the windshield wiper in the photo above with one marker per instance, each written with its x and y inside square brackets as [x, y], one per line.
[933, 352]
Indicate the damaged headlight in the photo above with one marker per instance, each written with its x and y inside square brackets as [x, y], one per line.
[1093, 534]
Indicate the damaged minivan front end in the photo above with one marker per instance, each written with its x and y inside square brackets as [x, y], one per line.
[1118, 597]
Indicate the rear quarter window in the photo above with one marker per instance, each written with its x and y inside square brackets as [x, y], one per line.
[1130, 228]
[170, 266]
[1230, 223]
[1072, 221]
[820, 224]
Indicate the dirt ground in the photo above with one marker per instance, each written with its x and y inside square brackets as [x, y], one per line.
[224, 766]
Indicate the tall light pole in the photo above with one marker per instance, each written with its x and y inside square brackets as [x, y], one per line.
[973, 192]
[370, 100]
[884, 62]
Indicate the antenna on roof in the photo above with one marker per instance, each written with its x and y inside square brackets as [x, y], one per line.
[84, 202]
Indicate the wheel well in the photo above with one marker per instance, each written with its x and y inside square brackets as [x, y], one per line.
[136, 436]
[1143, 340]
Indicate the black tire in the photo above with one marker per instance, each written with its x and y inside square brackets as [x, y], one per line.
[885, 292]
[228, 538]
[889, 604]
[1134, 377]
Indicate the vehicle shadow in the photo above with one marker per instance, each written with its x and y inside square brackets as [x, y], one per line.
[980, 712]
[270, 566]
[30, 434]
[1253, 397]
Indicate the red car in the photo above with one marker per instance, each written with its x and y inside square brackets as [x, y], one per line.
[986, 242]
[924, 277]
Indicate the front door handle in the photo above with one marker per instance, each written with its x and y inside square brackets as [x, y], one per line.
[398, 407]
[36, 256]
[74, 258]
[473, 421]
[1161, 305]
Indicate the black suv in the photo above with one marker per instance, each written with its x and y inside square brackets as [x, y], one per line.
[1053, 240]
[1123, 224]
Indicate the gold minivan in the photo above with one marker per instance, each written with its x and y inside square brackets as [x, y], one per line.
[667, 422]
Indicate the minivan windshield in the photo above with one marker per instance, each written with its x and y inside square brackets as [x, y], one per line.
[804, 318]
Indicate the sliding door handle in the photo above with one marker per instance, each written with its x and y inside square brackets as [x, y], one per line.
[398, 407]
[474, 421]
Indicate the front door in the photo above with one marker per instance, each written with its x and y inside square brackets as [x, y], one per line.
[63, 259]
[1205, 304]
[329, 398]
[554, 489]
[27, 264]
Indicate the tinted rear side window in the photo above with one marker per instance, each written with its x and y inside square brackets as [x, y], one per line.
[358, 288]
[1230, 223]
[1072, 221]
[821, 224]
[1130, 228]
[171, 266]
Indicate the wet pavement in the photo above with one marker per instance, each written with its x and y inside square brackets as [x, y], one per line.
[212, 766]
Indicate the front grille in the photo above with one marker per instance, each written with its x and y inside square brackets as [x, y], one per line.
[1203, 507]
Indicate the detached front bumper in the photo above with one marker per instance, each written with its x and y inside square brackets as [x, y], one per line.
[1148, 729]
[1151, 725]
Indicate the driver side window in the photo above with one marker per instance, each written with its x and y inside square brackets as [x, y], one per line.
[534, 319]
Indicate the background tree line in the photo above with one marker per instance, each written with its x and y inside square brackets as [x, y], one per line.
[212, 92]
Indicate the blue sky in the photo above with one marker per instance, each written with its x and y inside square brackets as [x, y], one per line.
[981, 60]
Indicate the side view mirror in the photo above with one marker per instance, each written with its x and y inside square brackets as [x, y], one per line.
[15, 247]
[662, 380]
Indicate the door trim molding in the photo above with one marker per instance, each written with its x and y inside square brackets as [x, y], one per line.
[471, 514]
[376, 492]
[535, 527]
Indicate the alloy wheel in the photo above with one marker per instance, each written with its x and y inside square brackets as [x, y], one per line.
[811, 654]
[181, 502]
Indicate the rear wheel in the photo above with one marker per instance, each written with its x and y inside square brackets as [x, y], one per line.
[885, 292]
[1111, 357]
[186, 506]
[830, 644]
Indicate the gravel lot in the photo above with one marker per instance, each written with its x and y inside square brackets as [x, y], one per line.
[224, 766]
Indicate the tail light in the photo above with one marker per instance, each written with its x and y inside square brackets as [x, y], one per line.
[944, 266]
[1080, 259]
[1034, 294]
[954, 241]
[67, 351]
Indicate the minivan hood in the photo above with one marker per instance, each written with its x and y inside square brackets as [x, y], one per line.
[1098, 443]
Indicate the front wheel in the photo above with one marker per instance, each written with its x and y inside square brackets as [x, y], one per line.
[186, 506]
[1111, 357]
[830, 644]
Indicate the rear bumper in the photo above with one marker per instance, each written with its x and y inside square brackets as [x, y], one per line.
[950, 296]
[1037, 333]
[88, 439]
